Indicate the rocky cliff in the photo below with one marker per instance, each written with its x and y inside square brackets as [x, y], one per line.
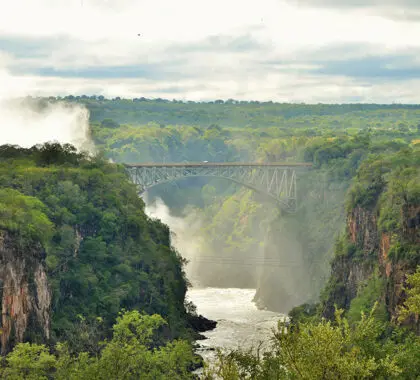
[366, 252]
[24, 292]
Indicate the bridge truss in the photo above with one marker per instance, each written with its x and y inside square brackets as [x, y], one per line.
[276, 180]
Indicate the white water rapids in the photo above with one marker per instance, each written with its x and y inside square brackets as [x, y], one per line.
[239, 323]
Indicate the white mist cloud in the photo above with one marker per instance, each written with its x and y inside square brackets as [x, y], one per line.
[183, 230]
[25, 124]
[22, 124]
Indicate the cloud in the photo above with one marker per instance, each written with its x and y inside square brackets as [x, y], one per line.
[42, 57]
[26, 124]
[373, 68]
[356, 61]
[358, 3]
[220, 44]
[22, 47]
[407, 10]
[273, 49]
[150, 71]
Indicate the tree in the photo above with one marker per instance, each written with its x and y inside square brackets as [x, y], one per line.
[134, 352]
[109, 123]
[323, 350]
[412, 304]
[29, 361]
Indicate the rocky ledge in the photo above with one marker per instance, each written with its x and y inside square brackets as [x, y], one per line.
[201, 324]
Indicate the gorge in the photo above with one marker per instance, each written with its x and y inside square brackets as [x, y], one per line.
[79, 254]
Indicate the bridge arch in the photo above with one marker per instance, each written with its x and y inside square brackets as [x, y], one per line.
[276, 180]
[254, 188]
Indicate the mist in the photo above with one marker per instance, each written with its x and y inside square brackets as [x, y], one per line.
[184, 234]
[25, 124]
[276, 267]
[209, 265]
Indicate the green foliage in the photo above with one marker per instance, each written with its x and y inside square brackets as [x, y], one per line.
[135, 326]
[368, 186]
[394, 174]
[109, 123]
[368, 294]
[406, 347]
[304, 313]
[391, 185]
[412, 304]
[382, 200]
[403, 192]
[29, 361]
[130, 354]
[25, 216]
[336, 139]
[104, 253]
[322, 350]
[405, 251]
[84, 335]
[252, 114]
[344, 247]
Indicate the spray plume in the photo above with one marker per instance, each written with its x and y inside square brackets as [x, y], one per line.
[26, 122]
[183, 232]
[24, 125]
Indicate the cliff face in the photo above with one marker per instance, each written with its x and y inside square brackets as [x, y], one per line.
[370, 250]
[24, 292]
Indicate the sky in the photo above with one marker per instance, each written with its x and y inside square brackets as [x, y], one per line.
[312, 51]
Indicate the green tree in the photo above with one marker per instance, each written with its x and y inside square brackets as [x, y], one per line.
[109, 123]
[134, 352]
[412, 304]
[323, 350]
[29, 361]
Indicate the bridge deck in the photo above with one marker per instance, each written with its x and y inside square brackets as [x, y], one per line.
[215, 164]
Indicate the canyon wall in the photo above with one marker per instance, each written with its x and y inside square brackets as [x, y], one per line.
[24, 292]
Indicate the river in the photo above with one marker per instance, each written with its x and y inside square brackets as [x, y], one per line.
[239, 322]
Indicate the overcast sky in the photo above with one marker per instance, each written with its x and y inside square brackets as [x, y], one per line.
[295, 51]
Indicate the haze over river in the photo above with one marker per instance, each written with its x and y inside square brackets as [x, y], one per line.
[239, 322]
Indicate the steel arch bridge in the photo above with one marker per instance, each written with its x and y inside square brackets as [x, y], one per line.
[277, 180]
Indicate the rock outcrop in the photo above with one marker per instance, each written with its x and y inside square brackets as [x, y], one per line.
[371, 249]
[201, 324]
[24, 293]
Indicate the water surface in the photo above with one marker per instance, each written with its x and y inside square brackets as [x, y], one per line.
[239, 322]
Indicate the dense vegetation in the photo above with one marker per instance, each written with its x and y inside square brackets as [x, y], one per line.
[336, 139]
[385, 197]
[251, 114]
[368, 349]
[102, 252]
[132, 353]
[372, 335]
